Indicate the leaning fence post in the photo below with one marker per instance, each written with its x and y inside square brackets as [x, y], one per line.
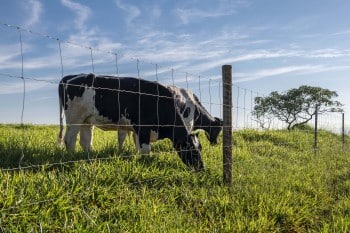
[316, 130]
[227, 123]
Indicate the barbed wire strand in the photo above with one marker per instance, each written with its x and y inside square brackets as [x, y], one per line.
[175, 116]
[158, 97]
[23, 99]
[89, 47]
[92, 60]
[93, 69]
[186, 77]
[139, 94]
[210, 104]
[126, 91]
[116, 64]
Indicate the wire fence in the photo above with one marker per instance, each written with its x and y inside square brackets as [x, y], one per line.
[38, 77]
[99, 61]
[30, 78]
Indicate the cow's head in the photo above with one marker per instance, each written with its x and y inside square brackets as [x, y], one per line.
[189, 151]
[214, 131]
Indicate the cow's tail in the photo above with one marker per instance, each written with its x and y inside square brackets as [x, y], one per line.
[61, 104]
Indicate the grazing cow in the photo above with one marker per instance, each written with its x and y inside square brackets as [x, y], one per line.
[193, 113]
[123, 103]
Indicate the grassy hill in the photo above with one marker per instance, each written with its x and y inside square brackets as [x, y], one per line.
[279, 185]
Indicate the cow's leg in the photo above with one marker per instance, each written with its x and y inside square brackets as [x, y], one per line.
[144, 141]
[136, 141]
[86, 136]
[121, 138]
[70, 137]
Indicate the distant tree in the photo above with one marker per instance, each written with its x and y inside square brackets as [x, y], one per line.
[297, 106]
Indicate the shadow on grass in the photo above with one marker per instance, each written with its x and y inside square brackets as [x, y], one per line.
[35, 149]
[16, 158]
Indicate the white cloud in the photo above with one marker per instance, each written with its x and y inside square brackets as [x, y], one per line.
[8, 53]
[132, 12]
[273, 72]
[340, 33]
[87, 35]
[34, 7]
[227, 58]
[188, 15]
[327, 53]
[298, 70]
[220, 8]
[83, 13]
[17, 87]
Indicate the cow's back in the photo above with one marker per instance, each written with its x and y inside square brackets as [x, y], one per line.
[72, 86]
[142, 102]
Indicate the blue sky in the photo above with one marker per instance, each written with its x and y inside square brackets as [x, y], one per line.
[271, 44]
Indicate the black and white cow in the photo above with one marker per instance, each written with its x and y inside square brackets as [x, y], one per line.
[123, 103]
[194, 115]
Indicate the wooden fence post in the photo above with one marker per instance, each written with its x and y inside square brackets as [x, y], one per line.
[227, 123]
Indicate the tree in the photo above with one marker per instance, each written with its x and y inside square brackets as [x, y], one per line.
[297, 106]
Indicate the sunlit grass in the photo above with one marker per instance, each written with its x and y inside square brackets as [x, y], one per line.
[279, 185]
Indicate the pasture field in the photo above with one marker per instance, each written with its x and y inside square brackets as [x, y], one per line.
[279, 185]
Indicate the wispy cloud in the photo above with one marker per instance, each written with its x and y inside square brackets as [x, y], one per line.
[228, 58]
[34, 8]
[280, 71]
[327, 53]
[87, 35]
[244, 77]
[188, 15]
[82, 12]
[17, 87]
[221, 8]
[340, 33]
[8, 53]
[132, 12]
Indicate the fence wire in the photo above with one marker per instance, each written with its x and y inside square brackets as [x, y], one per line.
[208, 89]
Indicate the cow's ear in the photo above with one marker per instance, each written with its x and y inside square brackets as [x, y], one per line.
[221, 122]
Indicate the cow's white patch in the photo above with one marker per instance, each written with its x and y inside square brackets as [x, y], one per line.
[185, 98]
[124, 127]
[196, 142]
[79, 117]
[80, 108]
[121, 137]
[145, 149]
[125, 123]
[86, 136]
[153, 136]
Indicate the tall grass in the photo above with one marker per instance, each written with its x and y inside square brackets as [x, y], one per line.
[279, 185]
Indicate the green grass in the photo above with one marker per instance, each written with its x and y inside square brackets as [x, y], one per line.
[279, 185]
